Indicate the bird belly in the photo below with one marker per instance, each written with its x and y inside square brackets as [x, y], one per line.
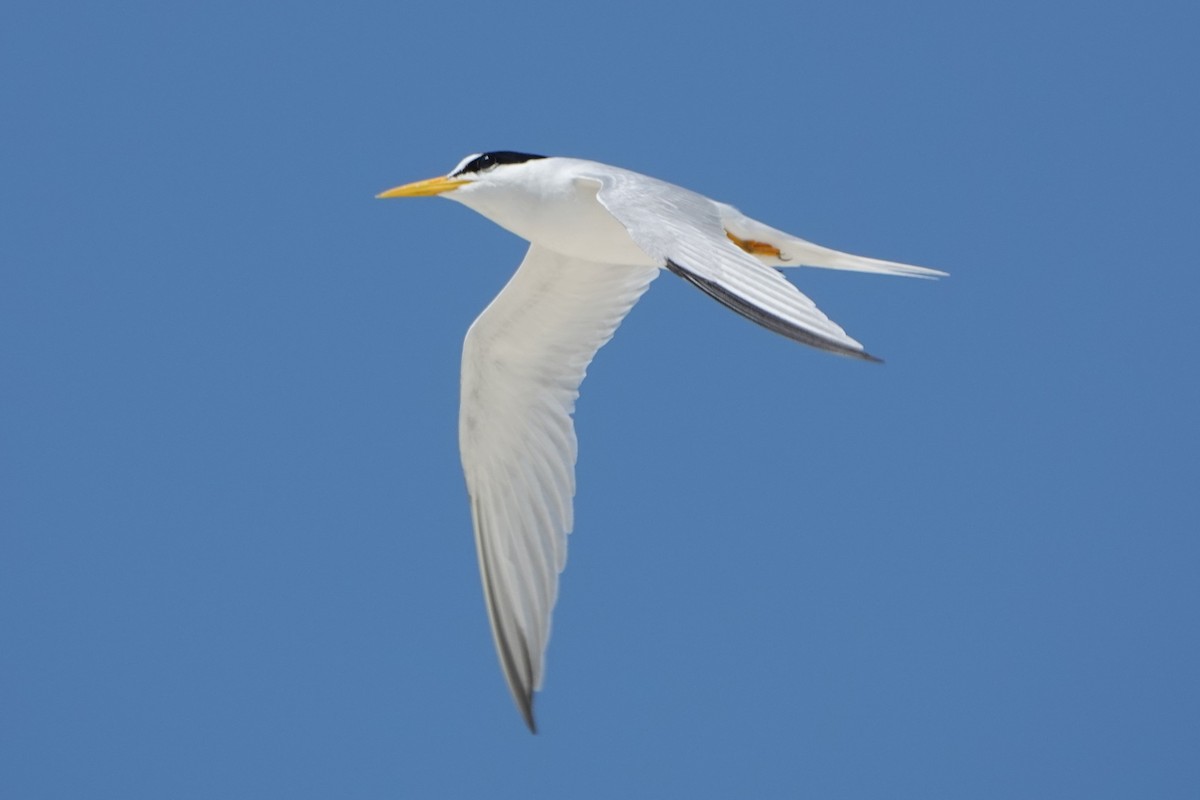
[570, 221]
[585, 230]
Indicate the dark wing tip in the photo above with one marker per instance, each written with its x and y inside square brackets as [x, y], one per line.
[525, 703]
[765, 318]
[516, 660]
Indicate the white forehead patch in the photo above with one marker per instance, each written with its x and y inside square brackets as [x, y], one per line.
[464, 162]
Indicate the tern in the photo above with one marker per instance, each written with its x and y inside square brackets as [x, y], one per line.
[598, 235]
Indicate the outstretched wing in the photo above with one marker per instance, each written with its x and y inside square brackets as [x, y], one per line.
[684, 232]
[523, 361]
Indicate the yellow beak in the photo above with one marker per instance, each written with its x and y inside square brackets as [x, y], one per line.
[422, 188]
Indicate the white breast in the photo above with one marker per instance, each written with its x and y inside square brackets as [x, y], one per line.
[553, 208]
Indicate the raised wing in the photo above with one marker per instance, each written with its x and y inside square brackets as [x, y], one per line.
[684, 231]
[523, 361]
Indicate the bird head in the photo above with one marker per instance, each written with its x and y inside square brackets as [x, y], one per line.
[473, 172]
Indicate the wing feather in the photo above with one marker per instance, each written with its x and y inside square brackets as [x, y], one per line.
[523, 361]
[684, 232]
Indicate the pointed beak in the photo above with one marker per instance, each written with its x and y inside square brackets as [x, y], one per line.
[422, 188]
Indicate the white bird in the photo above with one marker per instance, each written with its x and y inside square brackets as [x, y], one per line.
[598, 235]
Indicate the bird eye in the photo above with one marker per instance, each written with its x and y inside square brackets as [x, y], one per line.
[486, 162]
[478, 165]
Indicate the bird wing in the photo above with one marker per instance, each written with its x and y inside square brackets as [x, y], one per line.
[523, 361]
[684, 232]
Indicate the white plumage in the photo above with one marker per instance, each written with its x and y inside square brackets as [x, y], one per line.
[599, 235]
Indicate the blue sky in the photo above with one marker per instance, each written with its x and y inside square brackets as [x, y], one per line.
[235, 553]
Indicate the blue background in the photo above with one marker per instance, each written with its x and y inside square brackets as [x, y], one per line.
[235, 552]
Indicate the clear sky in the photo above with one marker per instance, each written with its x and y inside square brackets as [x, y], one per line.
[235, 552]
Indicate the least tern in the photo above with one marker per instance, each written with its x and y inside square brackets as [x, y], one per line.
[598, 235]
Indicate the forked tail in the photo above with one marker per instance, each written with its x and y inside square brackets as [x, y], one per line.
[779, 249]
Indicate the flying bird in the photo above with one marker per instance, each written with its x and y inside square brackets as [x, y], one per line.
[598, 235]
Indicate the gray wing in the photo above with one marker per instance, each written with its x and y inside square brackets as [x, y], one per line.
[684, 232]
[523, 361]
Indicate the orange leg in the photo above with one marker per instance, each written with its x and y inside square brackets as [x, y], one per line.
[755, 248]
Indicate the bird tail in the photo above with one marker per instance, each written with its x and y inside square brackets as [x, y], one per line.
[779, 249]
